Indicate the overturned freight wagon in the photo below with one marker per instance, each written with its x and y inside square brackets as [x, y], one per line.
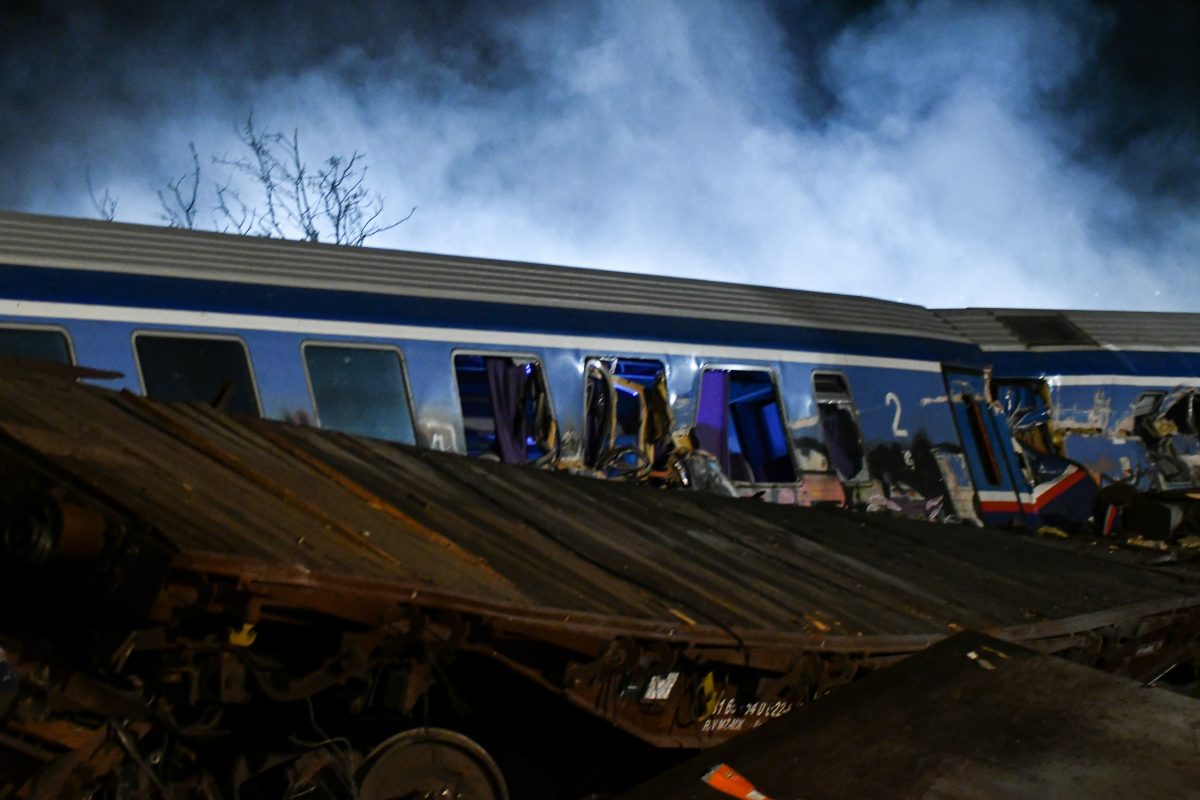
[194, 602]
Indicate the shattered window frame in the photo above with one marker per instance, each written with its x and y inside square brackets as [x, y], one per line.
[608, 362]
[1178, 407]
[1040, 436]
[543, 381]
[1150, 402]
[406, 385]
[153, 333]
[16, 327]
[841, 399]
[797, 474]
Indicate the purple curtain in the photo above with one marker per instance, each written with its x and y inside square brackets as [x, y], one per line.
[712, 416]
[507, 383]
[841, 439]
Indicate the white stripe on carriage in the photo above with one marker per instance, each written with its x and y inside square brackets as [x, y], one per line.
[235, 322]
[1167, 381]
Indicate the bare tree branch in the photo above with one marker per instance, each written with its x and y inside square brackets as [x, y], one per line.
[271, 191]
[179, 206]
[106, 206]
[233, 215]
[330, 203]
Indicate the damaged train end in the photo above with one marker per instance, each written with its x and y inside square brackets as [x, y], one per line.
[1104, 393]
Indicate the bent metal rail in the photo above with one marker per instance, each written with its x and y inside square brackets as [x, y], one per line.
[206, 561]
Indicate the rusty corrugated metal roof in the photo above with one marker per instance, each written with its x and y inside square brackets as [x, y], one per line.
[274, 502]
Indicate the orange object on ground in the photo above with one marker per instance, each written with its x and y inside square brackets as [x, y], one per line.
[726, 779]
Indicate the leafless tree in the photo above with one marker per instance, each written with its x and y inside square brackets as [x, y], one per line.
[270, 190]
[329, 203]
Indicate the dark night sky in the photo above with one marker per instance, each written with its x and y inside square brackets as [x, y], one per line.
[946, 153]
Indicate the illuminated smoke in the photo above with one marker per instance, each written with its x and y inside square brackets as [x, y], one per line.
[943, 153]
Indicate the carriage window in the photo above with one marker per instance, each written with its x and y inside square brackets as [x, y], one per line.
[627, 407]
[1145, 412]
[1176, 412]
[34, 343]
[839, 423]
[192, 369]
[505, 407]
[360, 390]
[739, 419]
[1025, 404]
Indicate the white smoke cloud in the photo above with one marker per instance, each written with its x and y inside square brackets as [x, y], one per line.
[669, 137]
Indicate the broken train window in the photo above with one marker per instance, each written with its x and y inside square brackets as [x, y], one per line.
[1178, 409]
[628, 414]
[506, 407]
[1157, 414]
[1025, 404]
[1157, 418]
[839, 424]
[1144, 412]
[739, 419]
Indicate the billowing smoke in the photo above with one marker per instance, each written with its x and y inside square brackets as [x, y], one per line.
[944, 152]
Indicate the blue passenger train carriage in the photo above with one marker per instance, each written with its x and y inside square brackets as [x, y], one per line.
[796, 396]
[1111, 391]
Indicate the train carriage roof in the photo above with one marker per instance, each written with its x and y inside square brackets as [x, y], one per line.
[44, 241]
[998, 329]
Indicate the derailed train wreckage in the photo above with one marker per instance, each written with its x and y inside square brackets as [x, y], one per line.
[1073, 420]
[199, 605]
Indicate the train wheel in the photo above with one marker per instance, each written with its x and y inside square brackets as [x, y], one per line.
[430, 763]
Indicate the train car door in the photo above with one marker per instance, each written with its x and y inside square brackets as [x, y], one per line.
[987, 447]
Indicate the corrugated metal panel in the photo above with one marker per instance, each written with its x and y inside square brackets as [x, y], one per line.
[1132, 330]
[971, 717]
[90, 244]
[1140, 329]
[981, 327]
[295, 501]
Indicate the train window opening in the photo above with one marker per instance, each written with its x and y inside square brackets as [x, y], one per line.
[628, 411]
[506, 407]
[36, 344]
[839, 424]
[1145, 416]
[739, 419]
[360, 390]
[193, 369]
[1177, 411]
[1025, 404]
